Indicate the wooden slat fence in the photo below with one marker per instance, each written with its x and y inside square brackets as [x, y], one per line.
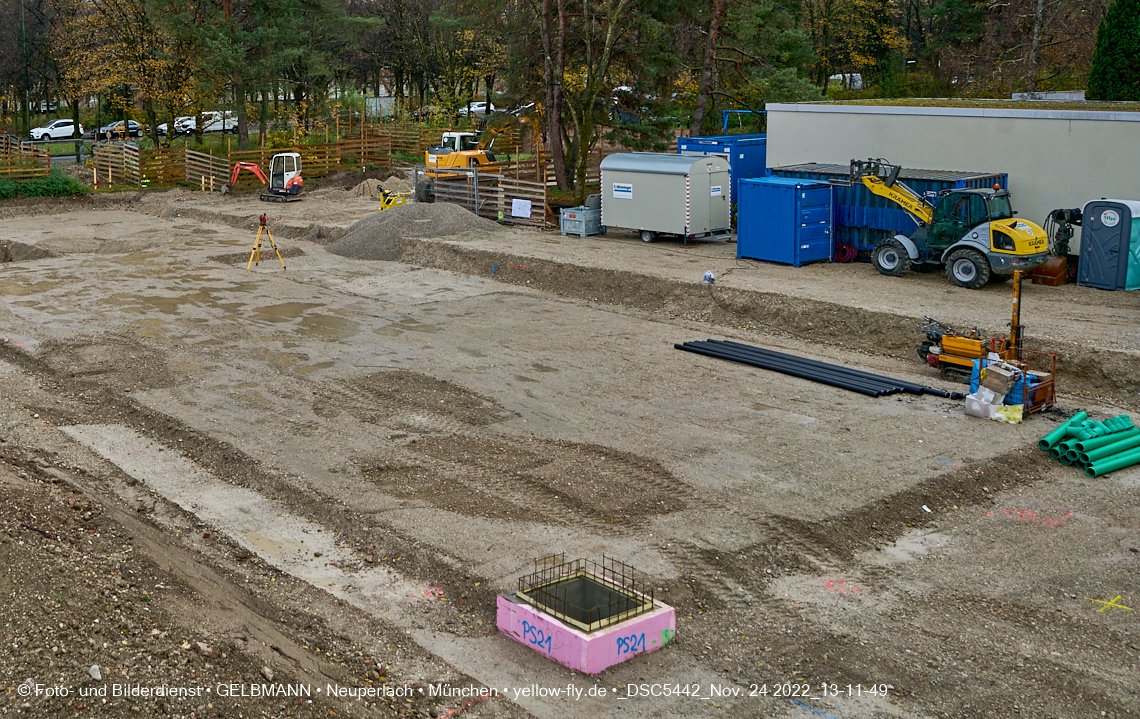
[258, 155]
[593, 164]
[509, 142]
[24, 161]
[318, 160]
[415, 139]
[371, 151]
[10, 144]
[532, 169]
[201, 167]
[489, 193]
[162, 166]
[500, 203]
[117, 163]
[122, 163]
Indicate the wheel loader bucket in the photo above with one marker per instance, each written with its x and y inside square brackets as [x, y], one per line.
[879, 168]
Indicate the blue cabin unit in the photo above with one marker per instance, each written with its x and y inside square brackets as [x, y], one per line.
[747, 154]
[785, 220]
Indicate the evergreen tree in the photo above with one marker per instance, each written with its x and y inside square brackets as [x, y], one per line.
[1115, 72]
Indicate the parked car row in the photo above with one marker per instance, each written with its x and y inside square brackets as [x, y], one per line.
[212, 121]
[119, 130]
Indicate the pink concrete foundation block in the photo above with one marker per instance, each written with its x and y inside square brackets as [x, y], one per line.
[589, 653]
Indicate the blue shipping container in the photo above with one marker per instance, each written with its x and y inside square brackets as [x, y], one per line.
[747, 154]
[863, 219]
[784, 220]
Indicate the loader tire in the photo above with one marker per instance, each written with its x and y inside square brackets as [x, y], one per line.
[968, 268]
[890, 258]
[425, 192]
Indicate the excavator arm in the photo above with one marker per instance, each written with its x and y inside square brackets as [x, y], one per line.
[881, 178]
[239, 166]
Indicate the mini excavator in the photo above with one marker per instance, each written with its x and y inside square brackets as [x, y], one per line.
[284, 182]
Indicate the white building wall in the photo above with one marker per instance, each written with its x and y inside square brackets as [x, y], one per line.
[1054, 158]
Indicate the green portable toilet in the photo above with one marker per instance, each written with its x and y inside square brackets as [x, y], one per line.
[1110, 245]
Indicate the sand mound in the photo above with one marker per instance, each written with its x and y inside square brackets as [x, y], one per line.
[398, 184]
[375, 236]
[12, 251]
[391, 184]
[350, 179]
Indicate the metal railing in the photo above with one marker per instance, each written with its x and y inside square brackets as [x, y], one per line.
[617, 591]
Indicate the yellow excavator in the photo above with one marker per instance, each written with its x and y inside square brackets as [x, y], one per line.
[463, 149]
[972, 232]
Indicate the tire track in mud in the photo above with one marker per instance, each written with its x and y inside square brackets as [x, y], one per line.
[385, 397]
[829, 546]
[94, 403]
[529, 479]
[710, 581]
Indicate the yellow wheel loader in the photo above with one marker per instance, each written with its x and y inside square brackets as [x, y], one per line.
[972, 232]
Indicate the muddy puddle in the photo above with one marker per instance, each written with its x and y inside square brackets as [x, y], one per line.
[22, 287]
[284, 312]
[328, 327]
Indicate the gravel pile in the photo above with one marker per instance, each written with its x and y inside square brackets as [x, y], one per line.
[351, 179]
[375, 237]
[391, 184]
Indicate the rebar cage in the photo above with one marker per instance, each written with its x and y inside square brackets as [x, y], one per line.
[585, 594]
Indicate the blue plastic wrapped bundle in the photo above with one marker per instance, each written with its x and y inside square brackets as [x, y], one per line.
[1015, 396]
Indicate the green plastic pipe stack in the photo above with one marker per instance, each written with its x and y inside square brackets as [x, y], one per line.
[1108, 450]
[1063, 448]
[1113, 463]
[1097, 447]
[1087, 444]
[1050, 440]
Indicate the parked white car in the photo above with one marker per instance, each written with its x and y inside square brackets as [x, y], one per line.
[179, 126]
[477, 108]
[55, 130]
[219, 122]
[212, 121]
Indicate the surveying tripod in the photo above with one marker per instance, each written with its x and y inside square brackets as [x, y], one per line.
[255, 255]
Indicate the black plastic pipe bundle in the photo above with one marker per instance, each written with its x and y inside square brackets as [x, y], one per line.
[865, 383]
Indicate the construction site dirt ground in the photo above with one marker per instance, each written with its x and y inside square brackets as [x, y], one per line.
[218, 480]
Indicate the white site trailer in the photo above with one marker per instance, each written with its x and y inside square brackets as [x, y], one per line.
[657, 194]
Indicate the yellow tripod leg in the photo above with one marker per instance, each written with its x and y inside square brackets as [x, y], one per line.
[256, 247]
[279, 259]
